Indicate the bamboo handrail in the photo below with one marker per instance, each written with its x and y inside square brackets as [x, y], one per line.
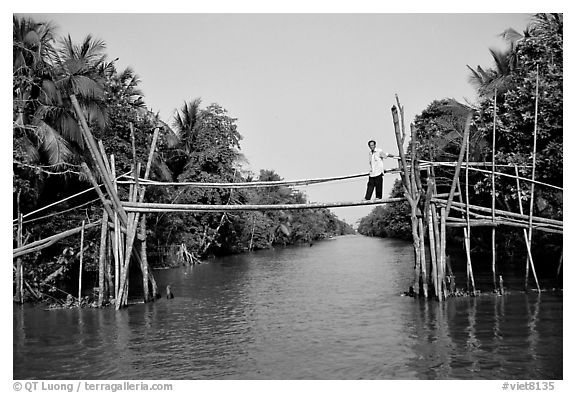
[61, 201]
[541, 220]
[487, 222]
[43, 243]
[271, 183]
[511, 220]
[511, 176]
[164, 207]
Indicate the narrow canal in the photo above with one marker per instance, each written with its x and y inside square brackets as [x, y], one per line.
[331, 311]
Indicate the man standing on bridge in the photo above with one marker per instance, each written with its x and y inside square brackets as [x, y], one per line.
[376, 177]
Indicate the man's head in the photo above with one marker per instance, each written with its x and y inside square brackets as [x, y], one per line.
[372, 144]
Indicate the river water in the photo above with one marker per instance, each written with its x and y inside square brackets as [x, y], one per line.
[331, 311]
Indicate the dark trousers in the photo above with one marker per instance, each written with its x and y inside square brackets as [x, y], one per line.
[374, 183]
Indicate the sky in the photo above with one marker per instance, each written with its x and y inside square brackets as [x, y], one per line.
[308, 90]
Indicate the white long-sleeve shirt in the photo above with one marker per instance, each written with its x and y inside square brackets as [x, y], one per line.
[376, 162]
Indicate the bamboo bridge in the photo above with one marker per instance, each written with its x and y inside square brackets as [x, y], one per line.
[123, 223]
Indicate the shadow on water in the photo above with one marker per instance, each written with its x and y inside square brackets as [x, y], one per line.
[332, 311]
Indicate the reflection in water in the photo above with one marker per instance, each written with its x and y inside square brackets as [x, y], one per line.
[332, 311]
[490, 337]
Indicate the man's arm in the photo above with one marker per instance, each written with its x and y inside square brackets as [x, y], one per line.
[384, 154]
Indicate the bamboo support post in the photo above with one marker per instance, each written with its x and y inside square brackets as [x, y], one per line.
[411, 194]
[529, 261]
[439, 259]
[110, 288]
[92, 179]
[81, 260]
[144, 260]
[132, 222]
[527, 238]
[468, 235]
[105, 160]
[399, 143]
[19, 265]
[493, 193]
[116, 255]
[94, 151]
[102, 258]
[423, 257]
[433, 253]
[456, 178]
[401, 110]
[443, 259]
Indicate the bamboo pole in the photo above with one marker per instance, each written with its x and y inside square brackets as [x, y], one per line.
[80, 270]
[47, 242]
[134, 218]
[423, 257]
[175, 207]
[493, 194]
[505, 175]
[529, 261]
[111, 289]
[102, 257]
[92, 179]
[254, 184]
[527, 238]
[89, 138]
[413, 182]
[433, 251]
[19, 264]
[443, 260]
[504, 213]
[459, 163]
[462, 223]
[401, 110]
[410, 195]
[105, 159]
[144, 258]
[116, 255]
[440, 262]
[399, 143]
[469, 272]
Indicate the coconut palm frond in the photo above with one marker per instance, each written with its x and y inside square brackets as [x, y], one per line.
[512, 36]
[53, 145]
[86, 87]
[91, 50]
[456, 108]
[501, 60]
[69, 128]
[31, 152]
[49, 92]
[95, 113]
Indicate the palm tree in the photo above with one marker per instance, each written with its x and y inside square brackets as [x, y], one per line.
[32, 84]
[76, 69]
[498, 79]
[182, 137]
[44, 76]
[32, 48]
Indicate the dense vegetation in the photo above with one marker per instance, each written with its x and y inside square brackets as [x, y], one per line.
[202, 144]
[536, 54]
